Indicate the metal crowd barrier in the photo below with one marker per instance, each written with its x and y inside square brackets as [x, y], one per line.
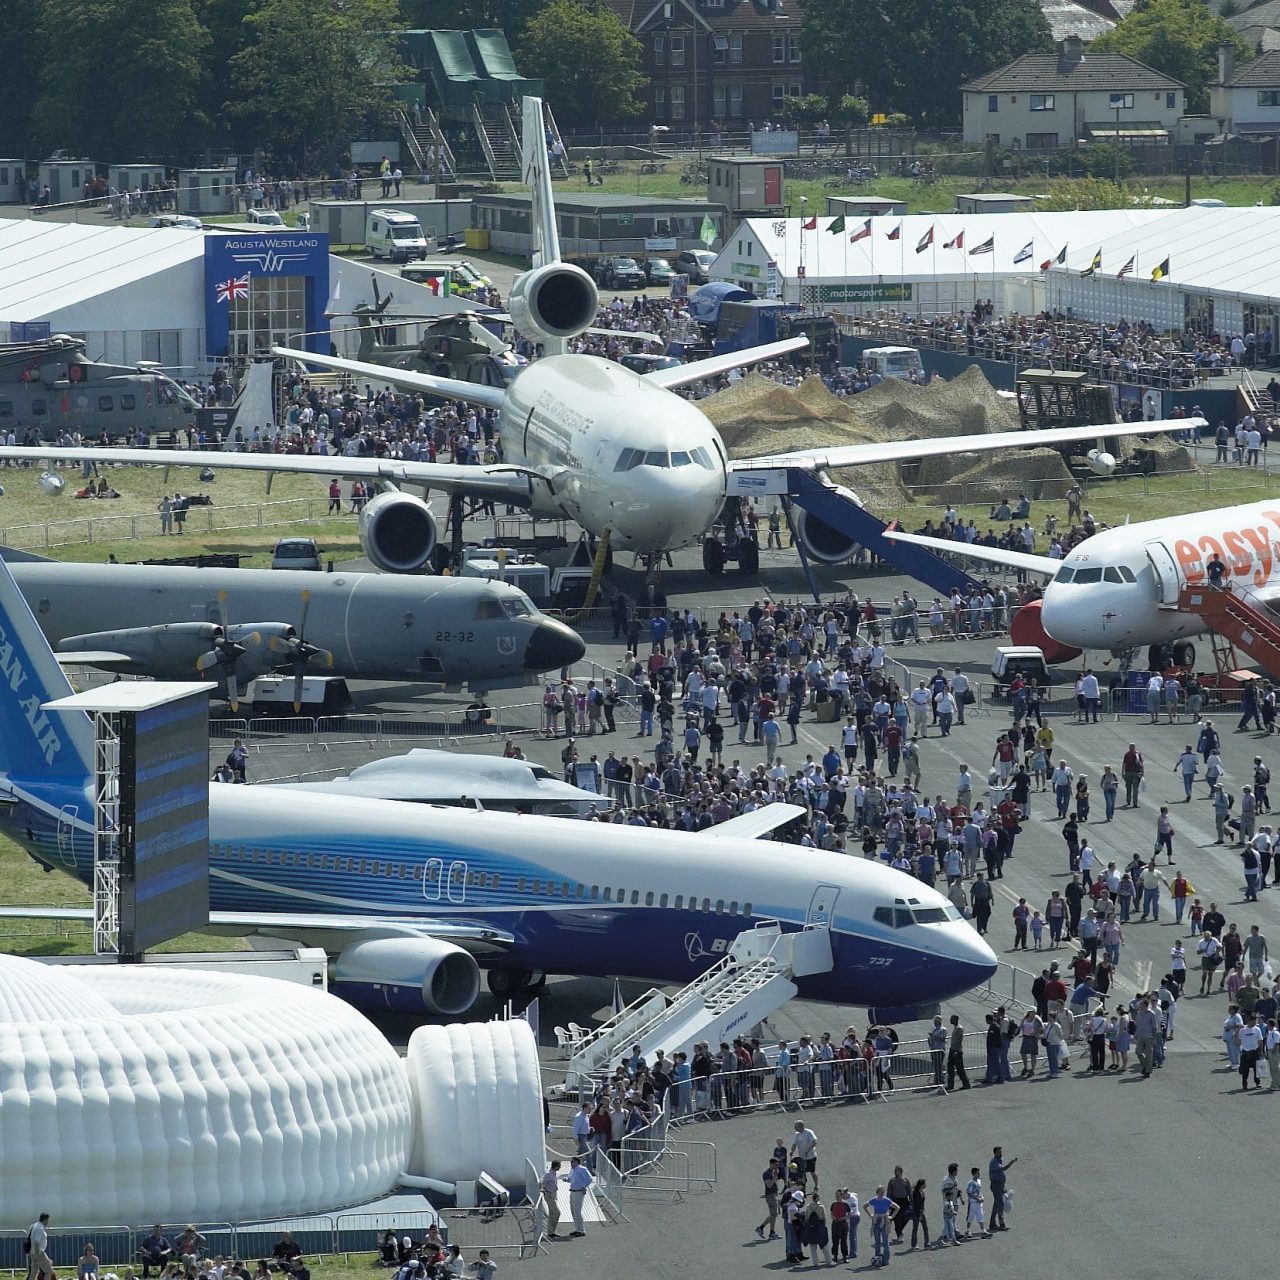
[512, 1228]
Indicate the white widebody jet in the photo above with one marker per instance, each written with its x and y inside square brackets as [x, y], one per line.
[584, 438]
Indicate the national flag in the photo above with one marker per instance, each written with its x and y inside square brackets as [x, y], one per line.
[1161, 271]
[862, 232]
[1128, 266]
[234, 289]
[1060, 259]
[925, 241]
[956, 242]
[896, 233]
[987, 246]
[810, 224]
[837, 225]
[1094, 265]
[707, 232]
[1025, 252]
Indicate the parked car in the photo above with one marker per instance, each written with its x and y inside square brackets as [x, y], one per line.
[185, 221]
[696, 264]
[622, 273]
[265, 217]
[296, 553]
[658, 270]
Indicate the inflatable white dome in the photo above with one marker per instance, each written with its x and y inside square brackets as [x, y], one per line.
[145, 1094]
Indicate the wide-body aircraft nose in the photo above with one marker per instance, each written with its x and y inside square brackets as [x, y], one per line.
[552, 646]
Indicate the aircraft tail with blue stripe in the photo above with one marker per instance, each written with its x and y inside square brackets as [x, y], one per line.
[46, 757]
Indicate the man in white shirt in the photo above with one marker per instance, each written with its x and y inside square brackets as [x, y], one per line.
[1250, 1039]
[1092, 694]
[804, 1148]
[39, 1263]
[579, 1180]
[582, 1129]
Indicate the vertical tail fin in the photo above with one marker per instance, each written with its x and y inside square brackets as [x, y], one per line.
[35, 744]
[537, 174]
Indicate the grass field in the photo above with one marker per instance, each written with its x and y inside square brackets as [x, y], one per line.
[244, 517]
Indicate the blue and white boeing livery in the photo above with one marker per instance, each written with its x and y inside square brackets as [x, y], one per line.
[411, 900]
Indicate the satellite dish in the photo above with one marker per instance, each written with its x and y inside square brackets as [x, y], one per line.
[52, 483]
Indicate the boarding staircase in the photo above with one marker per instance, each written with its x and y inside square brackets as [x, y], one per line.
[1229, 614]
[426, 142]
[497, 138]
[836, 506]
[753, 980]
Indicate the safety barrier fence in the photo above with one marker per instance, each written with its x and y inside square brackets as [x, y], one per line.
[340, 1235]
[1060, 700]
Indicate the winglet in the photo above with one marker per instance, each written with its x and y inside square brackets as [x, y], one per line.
[537, 174]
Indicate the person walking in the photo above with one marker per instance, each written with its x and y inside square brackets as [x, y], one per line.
[977, 1207]
[1147, 1024]
[38, 1261]
[998, 1181]
[937, 1043]
[919, 1222]
[1132, 768]
[772, 1179]
[816, 1234]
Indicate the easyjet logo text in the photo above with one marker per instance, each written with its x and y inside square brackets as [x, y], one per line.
[1247, 553]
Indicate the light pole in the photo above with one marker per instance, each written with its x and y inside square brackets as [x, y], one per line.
[1115, 142]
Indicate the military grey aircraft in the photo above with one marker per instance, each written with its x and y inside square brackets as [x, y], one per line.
[231, 625]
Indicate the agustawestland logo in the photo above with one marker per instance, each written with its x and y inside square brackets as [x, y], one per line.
[15, 675]
[269, 261]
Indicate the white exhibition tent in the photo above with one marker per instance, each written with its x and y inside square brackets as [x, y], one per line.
[1222, 251]
[119, 287]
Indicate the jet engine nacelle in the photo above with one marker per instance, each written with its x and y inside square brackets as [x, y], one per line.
[397, 532]
[408, 974]
[555, 301]
[820, 540]
[1101, 462]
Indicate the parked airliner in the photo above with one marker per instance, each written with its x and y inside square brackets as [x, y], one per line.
[1119, 589]
[411, 899]
[584, 438]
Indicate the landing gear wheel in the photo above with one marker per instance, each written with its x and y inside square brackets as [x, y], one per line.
[1184, 654]
[504, 983]
[712, 555]
[748, 555]
[1157, 657]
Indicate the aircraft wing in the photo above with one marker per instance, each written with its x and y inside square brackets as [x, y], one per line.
[471, 936]
[692, 372]
[103, 658]
[853, 455]
[993, 555]
[453, 388]
[510, 484]
[751, 826]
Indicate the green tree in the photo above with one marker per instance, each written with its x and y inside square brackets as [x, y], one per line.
[314, 75]
[1068, 194]
[588, 59]
[21, 56]
[120, 81]
[464, 15]
[1178, 37]
[913, 55]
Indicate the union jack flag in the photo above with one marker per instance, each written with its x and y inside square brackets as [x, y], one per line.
[230, 290]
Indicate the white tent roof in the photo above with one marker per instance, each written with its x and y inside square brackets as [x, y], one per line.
[832, 256]
[1223, 250]
[46, 267]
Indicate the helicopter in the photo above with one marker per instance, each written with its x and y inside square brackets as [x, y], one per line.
[458, 345]
[49, 385]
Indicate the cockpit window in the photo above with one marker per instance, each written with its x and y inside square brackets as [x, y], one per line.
[930, 915]
[679, 459]
[1064, 574]
[1128, 574]
[519, 608]
[629, 458]
[656, 458]
[1088, 575]
[702, 458]
[489, 608]
[894, 917]
[1111, 574]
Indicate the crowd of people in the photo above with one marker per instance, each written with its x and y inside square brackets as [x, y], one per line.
[1135, 353]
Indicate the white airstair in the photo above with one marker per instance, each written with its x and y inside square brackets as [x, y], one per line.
[753, 980]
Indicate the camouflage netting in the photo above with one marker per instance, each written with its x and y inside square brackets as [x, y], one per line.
[757, 416]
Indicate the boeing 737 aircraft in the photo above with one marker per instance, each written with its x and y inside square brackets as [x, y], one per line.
[410, 899]
[1119, 589]
[584, 438]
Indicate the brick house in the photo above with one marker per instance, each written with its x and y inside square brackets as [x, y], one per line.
[725, 60]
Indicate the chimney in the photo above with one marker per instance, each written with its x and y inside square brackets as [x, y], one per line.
[1226, 61]
[1071, 54]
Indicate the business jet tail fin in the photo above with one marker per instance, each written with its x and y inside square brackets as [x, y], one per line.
[537, 174]
[36, 745]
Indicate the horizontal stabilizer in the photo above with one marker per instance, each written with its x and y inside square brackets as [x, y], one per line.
[760, 822]
[1045, 565]
[93, 658]
[681, 375]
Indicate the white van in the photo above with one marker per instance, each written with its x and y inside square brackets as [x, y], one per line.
[894, 362]
[394, 235]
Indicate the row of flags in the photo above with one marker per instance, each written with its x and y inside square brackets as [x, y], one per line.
[1025, 254]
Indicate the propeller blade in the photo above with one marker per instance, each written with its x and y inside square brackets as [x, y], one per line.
[207, 660]
[222, 609]
[233, 690]
[281, 644]
[297, 689]
[306, 606]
